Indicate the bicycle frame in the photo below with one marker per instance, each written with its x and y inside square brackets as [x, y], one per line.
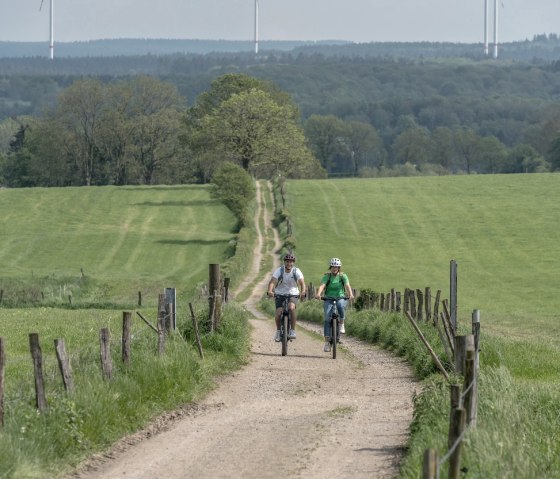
[334, 324]
[285, 320]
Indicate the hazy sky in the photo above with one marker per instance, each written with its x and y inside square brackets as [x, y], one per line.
[356, 20]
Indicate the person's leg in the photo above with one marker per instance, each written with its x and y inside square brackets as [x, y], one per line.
[293, 314]
[277, 316]
[293, 317]
[341, 307]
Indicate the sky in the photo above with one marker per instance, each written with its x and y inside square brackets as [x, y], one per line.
[360, 21]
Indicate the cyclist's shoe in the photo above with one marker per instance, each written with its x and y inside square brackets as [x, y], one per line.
[292, 334]
[278, 336]
[327, 347]
[342, 330]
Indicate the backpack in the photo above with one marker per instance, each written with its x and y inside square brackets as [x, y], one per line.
[281, 278]
[330, 278]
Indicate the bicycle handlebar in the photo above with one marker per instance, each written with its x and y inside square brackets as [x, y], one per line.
[286, 295]
[327, 298]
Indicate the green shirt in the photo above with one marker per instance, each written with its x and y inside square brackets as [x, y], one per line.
[335, 288]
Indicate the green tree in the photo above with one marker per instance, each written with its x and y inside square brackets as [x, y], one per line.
[234, 187]
[253, 131]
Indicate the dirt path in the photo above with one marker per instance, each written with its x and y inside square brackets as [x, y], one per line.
[304, 415]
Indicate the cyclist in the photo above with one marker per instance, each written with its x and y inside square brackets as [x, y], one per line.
[334, 284]
[286, 279]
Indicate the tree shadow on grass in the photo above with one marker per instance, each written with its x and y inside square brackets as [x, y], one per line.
[193, 242]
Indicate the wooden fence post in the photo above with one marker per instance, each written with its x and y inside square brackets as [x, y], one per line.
[125, 340]
[476, 334]
[436, 305]
[161, 328]
[139, 298]
[226, 290]
[2, 367]
[406, 305]
[430, 465]
[420, 296]
[453, 294]
[456, 429]
[469, 387]
[105, 353]
[213, 288]
[398, 301]
[428, 303]
[462, 345]
[41, 399]
[413, 311]
[64, 365]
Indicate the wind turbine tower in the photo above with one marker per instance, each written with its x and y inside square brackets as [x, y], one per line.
[51, 44]
[256, 26]
[51, 24]
[495, 28]
[486, 27]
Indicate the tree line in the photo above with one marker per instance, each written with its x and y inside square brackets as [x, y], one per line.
[139, 131]
[359, 116]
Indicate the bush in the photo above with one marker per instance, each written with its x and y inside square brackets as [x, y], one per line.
[234, 187]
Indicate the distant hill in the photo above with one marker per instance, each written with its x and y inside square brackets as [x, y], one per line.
[138, 46]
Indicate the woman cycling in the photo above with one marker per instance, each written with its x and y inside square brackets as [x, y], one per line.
[334, 284]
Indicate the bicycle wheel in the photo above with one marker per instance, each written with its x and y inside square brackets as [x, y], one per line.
[334, 335]
[285, 332]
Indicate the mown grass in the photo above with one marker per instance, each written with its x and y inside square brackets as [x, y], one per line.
[103, 245]
[502, 230]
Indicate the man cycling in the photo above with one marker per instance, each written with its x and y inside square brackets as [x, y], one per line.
[286, 279]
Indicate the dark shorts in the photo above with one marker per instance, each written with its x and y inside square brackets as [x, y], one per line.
[280, 302]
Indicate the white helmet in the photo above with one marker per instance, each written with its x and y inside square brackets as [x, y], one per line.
[335, 262]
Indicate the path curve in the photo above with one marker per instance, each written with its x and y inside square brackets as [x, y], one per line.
[304, 415]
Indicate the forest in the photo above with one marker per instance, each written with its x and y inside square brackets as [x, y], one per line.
[363, 109]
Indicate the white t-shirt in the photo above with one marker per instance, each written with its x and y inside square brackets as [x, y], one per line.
[288, 284]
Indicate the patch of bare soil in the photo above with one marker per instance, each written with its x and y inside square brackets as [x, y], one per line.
[303, 415]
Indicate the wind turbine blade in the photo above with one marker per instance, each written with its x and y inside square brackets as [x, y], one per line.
[41, 5]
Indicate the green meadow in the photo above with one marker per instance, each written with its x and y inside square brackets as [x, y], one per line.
[71, 260]
[502, 230]
[100, 246]
[104, 244]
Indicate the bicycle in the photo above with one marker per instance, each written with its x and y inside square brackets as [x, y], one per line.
[334, 323]
[285, 320]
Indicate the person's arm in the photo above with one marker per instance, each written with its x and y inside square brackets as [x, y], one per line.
[320, 290]
[271, 286]
[302, 289]
[348, 288]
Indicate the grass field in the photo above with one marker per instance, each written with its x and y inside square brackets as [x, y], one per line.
[402, 232]
[123, 239]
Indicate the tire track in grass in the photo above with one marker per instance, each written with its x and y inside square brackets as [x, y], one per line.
[348, 212]
[327, 202]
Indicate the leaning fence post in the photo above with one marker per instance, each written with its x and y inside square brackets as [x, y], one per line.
[64, 365]
[127, 321]
[41, 399]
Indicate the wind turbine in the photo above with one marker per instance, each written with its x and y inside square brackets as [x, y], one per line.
[51, 44]
[256, 26]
